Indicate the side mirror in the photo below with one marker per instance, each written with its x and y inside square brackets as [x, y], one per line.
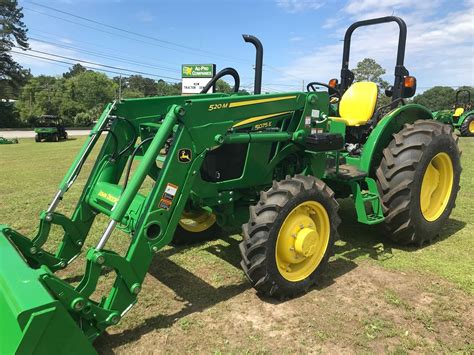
[409, 87]
[389, 91]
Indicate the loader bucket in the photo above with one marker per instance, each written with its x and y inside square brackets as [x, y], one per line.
[31, 320]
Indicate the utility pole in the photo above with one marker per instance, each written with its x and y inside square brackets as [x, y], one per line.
[120, 88]
[303, 86]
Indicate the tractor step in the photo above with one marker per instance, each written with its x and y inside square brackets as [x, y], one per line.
[347, 172]
[368, 203]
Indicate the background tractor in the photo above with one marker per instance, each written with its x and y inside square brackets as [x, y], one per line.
[8, 141]
[275, 163]
[461, 117]
[50, 128]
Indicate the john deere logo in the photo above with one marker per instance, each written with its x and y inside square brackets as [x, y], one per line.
[184, 155]
[187, 70]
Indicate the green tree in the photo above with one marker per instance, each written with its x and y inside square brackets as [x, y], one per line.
[35, 97]
[12, 75]
[13, 34]
[223, 86]
[146, 86]
[369, 70]
[76, 69]
[85, 92]
[165, 89]
[440, 97]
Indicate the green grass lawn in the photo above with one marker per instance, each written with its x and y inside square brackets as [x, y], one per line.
[376, 307]
[30, 173]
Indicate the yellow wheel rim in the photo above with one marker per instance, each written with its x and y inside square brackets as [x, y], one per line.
[302, 241]
[197, 221]
[471, 126]
[436, 187]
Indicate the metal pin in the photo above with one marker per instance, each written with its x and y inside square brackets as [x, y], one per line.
[106, 235]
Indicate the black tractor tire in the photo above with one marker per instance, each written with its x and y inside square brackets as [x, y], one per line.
[65, 136]
[261, 233]
[400, 179]
[466, 129]
[184, 236]
[37, 138]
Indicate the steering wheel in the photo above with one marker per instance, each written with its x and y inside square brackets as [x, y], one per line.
[333, 92]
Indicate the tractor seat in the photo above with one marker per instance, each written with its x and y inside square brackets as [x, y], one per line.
[458, 112]
[357, 105]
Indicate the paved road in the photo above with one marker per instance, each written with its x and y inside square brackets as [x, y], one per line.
[31, 134]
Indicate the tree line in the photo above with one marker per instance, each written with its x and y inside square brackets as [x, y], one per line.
[78, 95]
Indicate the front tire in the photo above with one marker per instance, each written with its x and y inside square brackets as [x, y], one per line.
[418, 180]
[290, 236]
[467, 127]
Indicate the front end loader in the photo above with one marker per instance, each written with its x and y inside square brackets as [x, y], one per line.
[272, 163]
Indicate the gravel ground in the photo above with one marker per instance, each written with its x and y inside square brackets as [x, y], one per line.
[31, 134]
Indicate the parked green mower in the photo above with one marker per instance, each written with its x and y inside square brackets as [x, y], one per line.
[275, 163]
[461, 117]
[8, 141]
[50, 128]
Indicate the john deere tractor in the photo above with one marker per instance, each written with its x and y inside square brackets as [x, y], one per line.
[461, 117]
[273, 163]
[49, 128]
[8, 140]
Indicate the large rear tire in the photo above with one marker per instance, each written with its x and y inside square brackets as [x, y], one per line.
[418, 180]
[467, 127]
[289, 237]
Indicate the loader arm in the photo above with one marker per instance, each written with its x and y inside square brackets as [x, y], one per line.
[138, 130]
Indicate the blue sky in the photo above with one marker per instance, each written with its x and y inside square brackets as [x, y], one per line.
[302, 38]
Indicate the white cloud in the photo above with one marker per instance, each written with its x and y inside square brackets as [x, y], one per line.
[44, 64]
[294, 6]
[440, 43]
[296, 39]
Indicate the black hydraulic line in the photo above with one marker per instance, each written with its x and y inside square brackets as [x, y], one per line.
[132, 141]
[130, 162]
[257, 87]
[226, 71]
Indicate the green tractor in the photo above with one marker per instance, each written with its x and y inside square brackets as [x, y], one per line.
[274, 163]
[50, 128]
[461, 117]
[8, 141]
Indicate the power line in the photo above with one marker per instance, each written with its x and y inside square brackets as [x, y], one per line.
[184, 50]
[188, 48]
[101, 65]
[124, 30]
[69, 63]
[103, 55]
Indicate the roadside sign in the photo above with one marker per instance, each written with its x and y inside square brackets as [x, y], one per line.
[195, 77]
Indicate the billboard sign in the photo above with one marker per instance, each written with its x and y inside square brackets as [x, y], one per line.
[195, 77]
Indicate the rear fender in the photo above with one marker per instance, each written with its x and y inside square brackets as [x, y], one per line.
[382, 134]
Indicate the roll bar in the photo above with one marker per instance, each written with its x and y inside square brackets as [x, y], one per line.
[400, 71]
[459, 91]
[226, 71]
[257, 87]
